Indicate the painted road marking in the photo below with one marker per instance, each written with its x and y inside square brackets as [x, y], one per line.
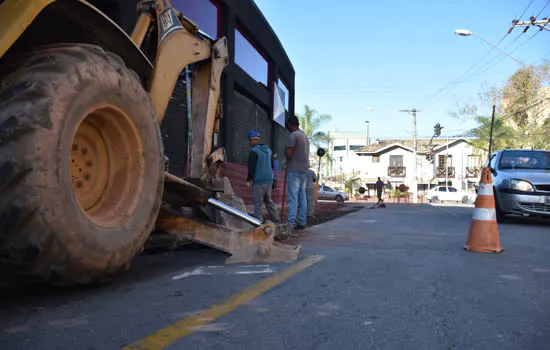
[186, 326]
[510, 277]
[254, 272]
[211, 270]
[197, 271]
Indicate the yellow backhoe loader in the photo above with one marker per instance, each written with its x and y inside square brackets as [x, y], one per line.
[82, 171]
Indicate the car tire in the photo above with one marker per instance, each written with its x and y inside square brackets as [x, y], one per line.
[466, 200]
[339, 199]
[501, 216]
[435, 199]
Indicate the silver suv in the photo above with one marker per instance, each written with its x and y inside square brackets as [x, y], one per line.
[521, 179]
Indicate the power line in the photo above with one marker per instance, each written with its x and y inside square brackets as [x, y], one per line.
[492, 61]
[485, 63]
[547, 3]
[525, 109]
[497, 58]
[472, 70]
[488, 67]
[513, 41]
[526, 9]
[525, 42]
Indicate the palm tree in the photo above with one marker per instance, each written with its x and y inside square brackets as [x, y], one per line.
[310, 121]
[503, 135]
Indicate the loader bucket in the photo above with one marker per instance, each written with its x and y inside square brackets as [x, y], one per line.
[255, 245]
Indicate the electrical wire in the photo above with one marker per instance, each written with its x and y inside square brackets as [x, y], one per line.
[525, 42]
[472, 70]
[525, 109]
[525, 9]
[538, 14]
[484, 64]
[491, 61]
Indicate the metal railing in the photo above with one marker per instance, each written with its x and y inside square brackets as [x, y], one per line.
[449, 173]
[397, 171]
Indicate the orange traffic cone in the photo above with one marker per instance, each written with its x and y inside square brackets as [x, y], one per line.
[483, 236]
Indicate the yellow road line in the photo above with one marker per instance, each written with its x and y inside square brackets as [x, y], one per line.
[186, 326]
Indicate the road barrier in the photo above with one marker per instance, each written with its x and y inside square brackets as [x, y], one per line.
[483, 236]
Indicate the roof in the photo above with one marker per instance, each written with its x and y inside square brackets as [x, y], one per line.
[408, 144]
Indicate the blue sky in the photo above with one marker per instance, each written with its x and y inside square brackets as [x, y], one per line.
[389, 55]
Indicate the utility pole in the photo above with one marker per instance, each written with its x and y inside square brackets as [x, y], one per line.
[447, 164]
[415, 146]
[367, 123]
[542, 24]
[491, 134]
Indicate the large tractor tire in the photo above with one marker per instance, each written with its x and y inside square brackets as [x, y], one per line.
[81, 165]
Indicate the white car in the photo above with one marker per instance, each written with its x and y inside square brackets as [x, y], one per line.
[329, 193]
[448, 193]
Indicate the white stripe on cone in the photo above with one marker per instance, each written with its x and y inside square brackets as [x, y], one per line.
[485, 190]
[484, 214]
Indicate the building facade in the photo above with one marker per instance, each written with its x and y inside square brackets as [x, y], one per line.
[455, 162]
[342, 158]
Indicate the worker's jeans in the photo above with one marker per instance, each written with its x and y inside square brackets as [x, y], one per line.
[297, 197]
[262, 194]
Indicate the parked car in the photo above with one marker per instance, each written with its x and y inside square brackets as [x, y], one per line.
[521, 180]
[329, 193]
[449, 193]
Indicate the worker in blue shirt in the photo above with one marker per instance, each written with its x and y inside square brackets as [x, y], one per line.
[260, 176]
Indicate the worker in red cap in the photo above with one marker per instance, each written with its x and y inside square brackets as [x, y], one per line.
[260, 176]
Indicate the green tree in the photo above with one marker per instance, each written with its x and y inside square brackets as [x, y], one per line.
[310, 122]
[522, 107]
[503, 135]
[525, 106]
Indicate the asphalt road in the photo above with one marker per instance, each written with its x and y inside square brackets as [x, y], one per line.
[393, 278]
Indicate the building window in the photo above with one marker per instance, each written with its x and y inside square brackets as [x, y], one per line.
[376, 159]
[249, 59]
[283, 92]
[203, 12]
[339, 148]
[354, 147]
[444, 159]
[396, 161]
[280, 102]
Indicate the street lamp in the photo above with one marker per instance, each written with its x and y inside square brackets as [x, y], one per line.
[464, 32]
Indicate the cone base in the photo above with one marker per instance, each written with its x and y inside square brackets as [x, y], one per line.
[483, 250]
